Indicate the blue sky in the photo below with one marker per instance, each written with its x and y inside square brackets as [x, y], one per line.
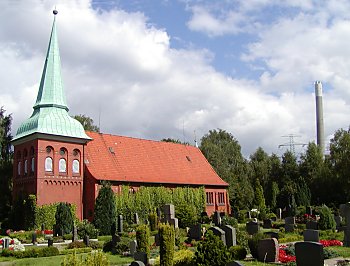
[159, 69]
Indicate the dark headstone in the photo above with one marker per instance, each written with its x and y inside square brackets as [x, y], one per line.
[42, 228]
[137, 263]
[309, 254]
[309, 210]
[174, 222]
[289, 228]
[218, 232]
[267, 223]
[115, 239]
[132, 247]
[311, 235]
[86, 240]
[141, 256]
[289, 220]
[75, 234]
[249, 215]
[217, 218]
[312, 225]
[113, 228]
[120, 223]
[195, 232]
[159, 213]
[6, 243]
[34, 241]
[230, 235]
[272, 235]
[169, 212]
[252, 227]
[345, 210]
[268, 250]
[136, 218]
[50, 242]
[338, 219]
[157, 239]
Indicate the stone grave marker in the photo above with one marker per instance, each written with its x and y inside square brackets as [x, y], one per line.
[136, 218]
[86, 240]
[141, 256]
[309, 210]
[279, 213]
[217, 218]
[312, 225]
[309, 254]
[249, 216]
[43, 228]
[34, 241]
[137, 263]
[174, 222]
[289, 228]
[267, 223]
[6, 243]
[268, 250]
[338, 219]
[157, 239]
[132, 246]
[272, 234]
[342, 209]
[75, 234]
[218, 232]
[159, 213]
[252, 227]
[50, 242]
[120, 223]
[289, 220]
[230, 235]
[346, 211]
[169, 212]
[195, 232]
[311, 235]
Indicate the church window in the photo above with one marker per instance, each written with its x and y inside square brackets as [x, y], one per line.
[48, 164]
[221, 198]
[19, 168]
[76, 166]
[62, 152]
[210, 198]
[32, 165]
[62, 166]
[26, 167]
[48, 149]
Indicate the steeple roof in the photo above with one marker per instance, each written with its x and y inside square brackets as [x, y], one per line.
[50, 115]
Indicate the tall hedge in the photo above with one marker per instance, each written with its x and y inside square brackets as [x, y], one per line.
[167, 244]
[326, 218]
[142, 238]
[105, 213]
[64, 218]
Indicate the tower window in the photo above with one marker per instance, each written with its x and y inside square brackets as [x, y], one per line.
[19, 168]
[48, 164]
[62, 166]
[33, 165]
[76, 167]
[26, 166]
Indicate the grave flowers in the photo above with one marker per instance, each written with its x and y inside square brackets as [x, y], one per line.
[284, 255]
[333, 242]
[15, 244]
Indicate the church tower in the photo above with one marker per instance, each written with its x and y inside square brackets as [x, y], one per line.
[49, 146]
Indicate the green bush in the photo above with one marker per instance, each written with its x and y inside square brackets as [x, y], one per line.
[326, 218]
[187, 215]
[49, 251]
[211, 251]
[119, 247]
[76, 244]
[182, 257]
[253, 243]
[142, 238]
[96, 245]
[227, 220]
[167, 244]
[238, 252]
[242, 239]
[86, 228]
[152, 218]
[92, 259]
[64, 218]
[67, 236]
[242, 216]
[104, 238]
[75, 250]
[329, 254]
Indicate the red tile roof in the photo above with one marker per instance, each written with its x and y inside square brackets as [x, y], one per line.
[128, 159]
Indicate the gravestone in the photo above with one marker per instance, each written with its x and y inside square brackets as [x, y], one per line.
[217, 219]
[141, 256]
[346, 212]
[120, 223]
[338, 219]
[75, 234]
[268, 250]
[34, 241]
[6, 243]
[230, 235]
[267, 223]
[137, 263]
[174, 222]
[309, 210]
[169, 212]
[252, 227]
[289, 228]
[136, 218]
[249, 216]
[43, 228]
[289, 220]
[132, 246]
[86, 240]
[272, 234]
[279, 213]
[218, 232]
[50, 242]
[309, 254]
[342, 209]
[312, 225]
[157, 239]
[159, 213]
[311, 235]
[195, 232]
[113, 228]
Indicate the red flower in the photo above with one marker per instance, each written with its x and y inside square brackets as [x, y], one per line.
[12, 242]
[333, 242]
[284, 257]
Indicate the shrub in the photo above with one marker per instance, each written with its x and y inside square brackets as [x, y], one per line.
[187, 215]
[105, 212]
[76, 244]
[142, 238]
[227, 220]
[67, 236]
[211, 251]
[92, 259]
[167, 244]
[49, 251]
[329, 254]
[96, 245]
[253, 243]
[86, 228]
[238, 252]
[152, 218]
[242, 216]
[326, 218]
[64, 218]
[119, 247]
[182, 257]
[242, 239]
[75, 250]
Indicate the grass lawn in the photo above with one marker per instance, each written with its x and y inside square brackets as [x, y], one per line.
[342, 251]
[56, 260]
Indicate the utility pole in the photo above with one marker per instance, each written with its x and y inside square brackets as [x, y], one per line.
[291, 143]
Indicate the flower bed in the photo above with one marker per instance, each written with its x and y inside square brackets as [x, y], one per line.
[329, 243]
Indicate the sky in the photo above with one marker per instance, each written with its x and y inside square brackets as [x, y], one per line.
[177, 69]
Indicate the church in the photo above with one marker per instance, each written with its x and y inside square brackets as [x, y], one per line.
[56, 160]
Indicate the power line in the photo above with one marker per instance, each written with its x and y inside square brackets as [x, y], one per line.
[291, 143]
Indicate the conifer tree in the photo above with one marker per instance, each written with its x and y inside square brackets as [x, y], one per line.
[105, 213]
[64, 218]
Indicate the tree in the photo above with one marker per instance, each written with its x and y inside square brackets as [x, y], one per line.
[259, 200]
[261, 168]
[223, 152]
[6, 165]
[311, 163]
[272, 194]
[64, 218]
[87, 122]
[105, 213]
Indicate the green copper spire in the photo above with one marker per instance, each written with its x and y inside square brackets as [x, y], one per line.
[50, 114]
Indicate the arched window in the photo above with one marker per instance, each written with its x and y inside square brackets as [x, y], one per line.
[62, 166]
[32, 168]
[48, 164]
[26, 167]
[19, 168]
[76, 166]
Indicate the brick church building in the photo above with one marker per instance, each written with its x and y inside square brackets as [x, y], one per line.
[56, 160]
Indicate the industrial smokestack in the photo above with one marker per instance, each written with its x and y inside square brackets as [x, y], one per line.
[319, 116]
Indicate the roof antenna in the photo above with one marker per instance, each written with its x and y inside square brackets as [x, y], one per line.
[195, 139]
